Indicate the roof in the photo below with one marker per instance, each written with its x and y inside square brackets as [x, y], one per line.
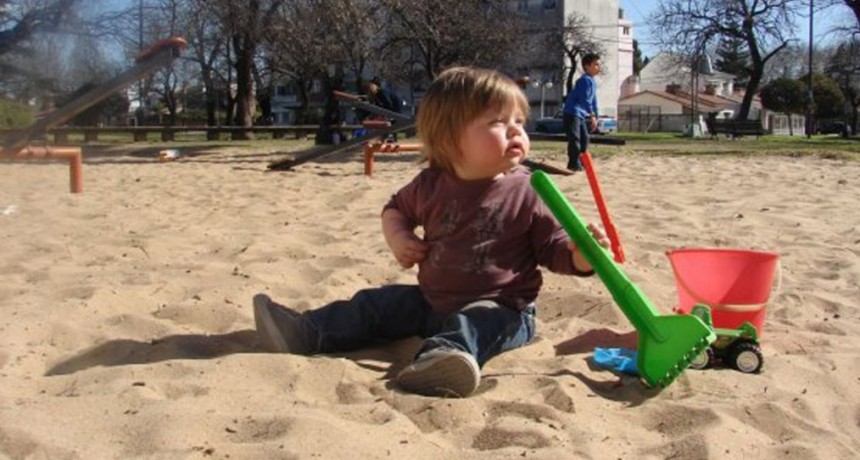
[704, 100]
[670, 64]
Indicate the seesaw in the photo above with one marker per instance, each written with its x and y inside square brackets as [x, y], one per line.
[17, 146]
[379, 129]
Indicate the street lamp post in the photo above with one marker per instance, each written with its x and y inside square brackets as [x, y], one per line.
[543, 85]
[701, 66]
[810, 100]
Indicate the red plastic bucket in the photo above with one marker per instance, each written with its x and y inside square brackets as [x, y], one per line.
[735, 283]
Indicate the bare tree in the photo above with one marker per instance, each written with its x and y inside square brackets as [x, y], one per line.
[855, 7]
[299, 47]
[166, 18]
[310, 45]
[791, 62]
[207, 47]
[30, 66]
[455, 32]
[245, 22]
[19, 20]
[357, 31]
[135, 28]
[574, 39]
[689, 26]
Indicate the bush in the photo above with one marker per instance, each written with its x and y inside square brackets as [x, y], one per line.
[14, 115]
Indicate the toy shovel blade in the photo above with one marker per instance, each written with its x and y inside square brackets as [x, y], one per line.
[661, 361]
[667, 344]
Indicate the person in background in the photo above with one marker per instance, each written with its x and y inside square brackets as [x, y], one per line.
[580, 111]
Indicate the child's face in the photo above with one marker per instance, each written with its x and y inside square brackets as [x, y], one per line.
[593, 69]
[492, 144]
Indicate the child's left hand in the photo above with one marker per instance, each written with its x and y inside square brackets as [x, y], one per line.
[577, 258]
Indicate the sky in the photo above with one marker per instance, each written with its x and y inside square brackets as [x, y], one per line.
[639, 10]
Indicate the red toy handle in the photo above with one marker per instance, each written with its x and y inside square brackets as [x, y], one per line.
[615, 242]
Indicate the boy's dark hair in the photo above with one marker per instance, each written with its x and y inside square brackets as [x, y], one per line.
[589, 58]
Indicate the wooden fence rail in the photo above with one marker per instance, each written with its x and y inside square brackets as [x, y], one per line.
[168, 133]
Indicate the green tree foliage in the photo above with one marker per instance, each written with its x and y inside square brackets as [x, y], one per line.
[828, 98]
[844, 67]
[733, 57]
[638, 63]
[14, 115]
[784, 95]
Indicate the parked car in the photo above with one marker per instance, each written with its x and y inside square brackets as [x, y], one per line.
[834, 127]
[555, 125]
[606, 124]
[550, 125]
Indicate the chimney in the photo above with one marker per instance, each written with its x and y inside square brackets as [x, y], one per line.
[673, 88]
[710, 90]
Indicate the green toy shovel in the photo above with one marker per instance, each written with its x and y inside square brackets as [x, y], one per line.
[667, 344]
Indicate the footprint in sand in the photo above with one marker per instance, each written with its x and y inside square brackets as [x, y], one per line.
[254, 431]
[676, 421]
[494, 438]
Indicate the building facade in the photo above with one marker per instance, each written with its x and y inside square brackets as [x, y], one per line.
[547, 74]
[607, 26]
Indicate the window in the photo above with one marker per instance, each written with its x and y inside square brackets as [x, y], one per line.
[523, 6]
[625, 30]
[549, 4]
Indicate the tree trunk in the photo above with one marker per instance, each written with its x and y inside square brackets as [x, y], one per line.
[331, 116]
[211, 99]
[854, 117]
[749, 93]
[245, 48]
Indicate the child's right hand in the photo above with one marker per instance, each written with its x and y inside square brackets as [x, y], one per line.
[408, 249]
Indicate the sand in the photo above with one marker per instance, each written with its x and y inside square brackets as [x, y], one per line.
[127, 331]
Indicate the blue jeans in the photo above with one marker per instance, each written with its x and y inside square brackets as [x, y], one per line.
[576, 130]
[483, 328]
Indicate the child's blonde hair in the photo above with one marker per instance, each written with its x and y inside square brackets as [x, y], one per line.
[454, 99]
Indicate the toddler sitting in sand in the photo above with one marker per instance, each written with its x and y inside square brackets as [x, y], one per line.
[485, 232]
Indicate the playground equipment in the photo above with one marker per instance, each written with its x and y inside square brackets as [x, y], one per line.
[376, 130]
[737, 348]
[377, 146]
[667, 344]
[608, 225]
[17, 146]
[728, 289]
[380, 129]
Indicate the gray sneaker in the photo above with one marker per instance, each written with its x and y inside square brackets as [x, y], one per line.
[280, 329]
[441, 372]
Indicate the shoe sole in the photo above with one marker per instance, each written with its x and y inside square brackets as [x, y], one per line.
[266, 328]
[449, 376]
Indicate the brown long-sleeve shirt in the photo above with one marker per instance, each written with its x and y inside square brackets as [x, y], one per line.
[487, 238]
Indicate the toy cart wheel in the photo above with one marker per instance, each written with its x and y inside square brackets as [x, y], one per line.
[704, 360]
[746, 357]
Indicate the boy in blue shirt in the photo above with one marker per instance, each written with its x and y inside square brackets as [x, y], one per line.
[580, 111]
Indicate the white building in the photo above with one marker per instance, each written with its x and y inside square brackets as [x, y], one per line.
[546, 90]
[607, 26]
[666, 70]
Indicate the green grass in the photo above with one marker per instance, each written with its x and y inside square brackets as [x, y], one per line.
[831, 147]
